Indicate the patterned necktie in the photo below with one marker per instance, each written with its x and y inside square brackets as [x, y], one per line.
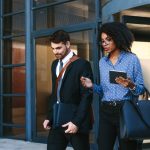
[60, 81]
[60, 66]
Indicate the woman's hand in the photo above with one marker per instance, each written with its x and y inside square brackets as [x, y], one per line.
[86, 82]
[125, 82]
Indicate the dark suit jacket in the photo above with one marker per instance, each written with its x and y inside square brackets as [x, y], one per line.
[72, 92]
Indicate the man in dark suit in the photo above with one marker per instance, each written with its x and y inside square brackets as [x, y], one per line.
[76, 130]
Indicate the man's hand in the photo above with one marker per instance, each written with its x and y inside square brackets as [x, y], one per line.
[46, 125]
[71, 127]
[86, 82]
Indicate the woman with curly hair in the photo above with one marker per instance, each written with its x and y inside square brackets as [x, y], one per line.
[116, 41]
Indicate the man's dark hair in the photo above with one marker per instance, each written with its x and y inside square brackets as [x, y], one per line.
[120, 34]
[60, 36]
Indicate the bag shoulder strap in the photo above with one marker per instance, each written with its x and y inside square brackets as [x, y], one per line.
[72, 59]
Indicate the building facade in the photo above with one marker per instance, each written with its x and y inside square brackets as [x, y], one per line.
[26, 57]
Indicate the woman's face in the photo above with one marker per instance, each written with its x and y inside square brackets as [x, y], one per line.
[107, 43]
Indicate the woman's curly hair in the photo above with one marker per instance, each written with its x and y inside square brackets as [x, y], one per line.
[120, 34]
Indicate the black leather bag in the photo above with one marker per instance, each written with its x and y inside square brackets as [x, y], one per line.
[63, 113]
[135, 120]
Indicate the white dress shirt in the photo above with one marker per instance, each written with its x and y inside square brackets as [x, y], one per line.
[64, 60]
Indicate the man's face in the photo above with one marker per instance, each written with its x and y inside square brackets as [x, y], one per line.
[60, 50]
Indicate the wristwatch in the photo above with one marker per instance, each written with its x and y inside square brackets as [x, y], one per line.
[132, 89]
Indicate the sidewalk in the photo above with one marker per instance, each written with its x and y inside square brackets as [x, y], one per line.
[9, 144]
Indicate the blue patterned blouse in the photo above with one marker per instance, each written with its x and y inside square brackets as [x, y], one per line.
[127, 62]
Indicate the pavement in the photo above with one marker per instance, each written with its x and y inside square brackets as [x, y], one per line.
[9, 144]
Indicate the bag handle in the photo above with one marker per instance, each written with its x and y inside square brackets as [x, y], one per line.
[72, 59]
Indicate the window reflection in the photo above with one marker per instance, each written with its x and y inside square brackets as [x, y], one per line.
[14, 110]
[65, 14]
[13, 5]
[16, 133]
[14, 25]
[42, 2]
[14, 80]
[14, 51]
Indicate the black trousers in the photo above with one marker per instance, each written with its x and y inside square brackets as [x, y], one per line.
[109, 129]
[58, 140]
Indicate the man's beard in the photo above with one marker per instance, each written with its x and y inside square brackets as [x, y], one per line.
[58, 56]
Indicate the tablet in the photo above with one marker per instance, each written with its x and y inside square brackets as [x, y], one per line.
[113, 74]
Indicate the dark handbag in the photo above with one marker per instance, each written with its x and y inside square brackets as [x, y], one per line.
[63, 113]
[135, 120]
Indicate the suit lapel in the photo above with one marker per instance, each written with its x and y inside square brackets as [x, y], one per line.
[54, 69]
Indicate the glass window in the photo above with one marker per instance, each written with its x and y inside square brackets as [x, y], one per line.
[14, 25]
[13, 5]
[14, 51]
[14, 80]
[65, 14]
[14, 110]
[103, 2]
[14, 114]
[44, 59]
[81, 44]
[41, 2]
[16, 133]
